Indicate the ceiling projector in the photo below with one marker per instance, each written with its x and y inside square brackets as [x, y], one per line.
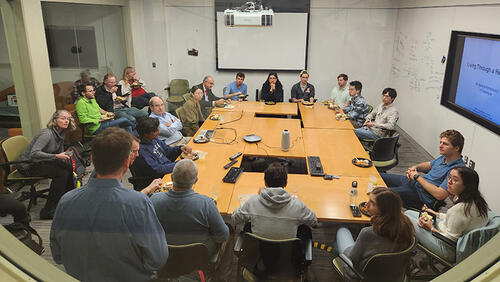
[250, 14]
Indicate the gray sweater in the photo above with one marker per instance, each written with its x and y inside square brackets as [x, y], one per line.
[274, 214]
[44, 147]
[367, 244]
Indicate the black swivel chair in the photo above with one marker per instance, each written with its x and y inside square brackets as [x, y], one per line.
[272, 260]
[384, 153]
[184, 259]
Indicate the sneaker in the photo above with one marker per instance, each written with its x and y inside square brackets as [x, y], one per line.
[44, 214]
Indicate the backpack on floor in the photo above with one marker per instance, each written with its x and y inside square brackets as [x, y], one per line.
[76, 161]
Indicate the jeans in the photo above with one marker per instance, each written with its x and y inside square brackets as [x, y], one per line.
[142, 101]
[365, 133]
[426, 238]
[344, 239]
[407, 190]
[130, 113]
[62, 179]
[121, 122]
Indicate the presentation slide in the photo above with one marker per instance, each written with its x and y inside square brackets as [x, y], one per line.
[281, 46]
[478, 87]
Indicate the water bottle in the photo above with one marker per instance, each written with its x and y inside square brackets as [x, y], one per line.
[354, 193]
[285, 140]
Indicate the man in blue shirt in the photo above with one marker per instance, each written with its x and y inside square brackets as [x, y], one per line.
[415, 191]
[187, 216]
[103, 231]
[170, 126]
[236, 88]
[155, 157]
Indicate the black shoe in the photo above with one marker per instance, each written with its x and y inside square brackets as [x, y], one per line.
[44, 214]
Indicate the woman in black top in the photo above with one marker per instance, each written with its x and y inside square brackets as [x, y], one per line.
[272, 90]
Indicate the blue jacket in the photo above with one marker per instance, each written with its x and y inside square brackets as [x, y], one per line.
[155, 158]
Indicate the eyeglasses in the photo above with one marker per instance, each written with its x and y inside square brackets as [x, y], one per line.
[452, 180]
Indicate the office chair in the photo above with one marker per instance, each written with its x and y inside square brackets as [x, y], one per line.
[184, 259]
[384, 153]
[464, 247]
[186, 96]
[379, 267]
[11, 149]
[176, 89]
[272, 260]
[370, 109]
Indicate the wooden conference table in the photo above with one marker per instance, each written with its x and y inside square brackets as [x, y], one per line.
[321, 135]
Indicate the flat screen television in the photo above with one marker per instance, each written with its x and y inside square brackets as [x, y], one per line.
[472, 79]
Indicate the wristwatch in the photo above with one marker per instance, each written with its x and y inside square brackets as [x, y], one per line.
[416, 177]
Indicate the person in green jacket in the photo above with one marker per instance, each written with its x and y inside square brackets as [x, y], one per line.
[90, 113]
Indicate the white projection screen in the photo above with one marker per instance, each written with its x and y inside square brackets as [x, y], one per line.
[282, 46]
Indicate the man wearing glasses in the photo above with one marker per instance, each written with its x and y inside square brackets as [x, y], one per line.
[430, 188]
[95, 118]
[109, 97]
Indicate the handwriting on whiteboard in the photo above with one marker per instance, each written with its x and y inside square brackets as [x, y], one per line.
[417, 64]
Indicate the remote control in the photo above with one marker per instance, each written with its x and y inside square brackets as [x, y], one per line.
[355, 211]
[230, 164]
[235, 156]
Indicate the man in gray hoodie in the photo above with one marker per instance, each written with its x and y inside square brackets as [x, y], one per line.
[274, 213]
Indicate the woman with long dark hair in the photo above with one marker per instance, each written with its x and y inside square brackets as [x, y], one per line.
[391, 230]
[272, 90]
[46, 151]
[470, 211]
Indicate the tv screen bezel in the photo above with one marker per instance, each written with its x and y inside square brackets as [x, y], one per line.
[448, 78]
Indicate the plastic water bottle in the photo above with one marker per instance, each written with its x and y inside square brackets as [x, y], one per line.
[353, 194]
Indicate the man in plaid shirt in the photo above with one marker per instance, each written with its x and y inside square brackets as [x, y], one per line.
[357, 110]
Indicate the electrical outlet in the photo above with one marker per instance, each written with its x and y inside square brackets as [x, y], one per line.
[466, 159]
[472, 164]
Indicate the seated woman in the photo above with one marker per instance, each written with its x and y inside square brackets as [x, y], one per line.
[469, 212]
[133, 85]
[303, 90]
[46, 150]
[272, 90]
[391, 230]
[190, 113]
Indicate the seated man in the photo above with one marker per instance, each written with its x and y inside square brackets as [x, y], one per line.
[303, 90]
[357, 108]
[186, 216]
[170, 126]
[88, 111]
[415, 191]
[155, 157]
[103, 231]
[209, 100]
[109, 97]
[382, 120]
[274, 213]
[85, 79]
[340, 93]
[236, 88]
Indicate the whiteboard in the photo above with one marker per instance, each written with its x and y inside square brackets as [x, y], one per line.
[281, 46]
